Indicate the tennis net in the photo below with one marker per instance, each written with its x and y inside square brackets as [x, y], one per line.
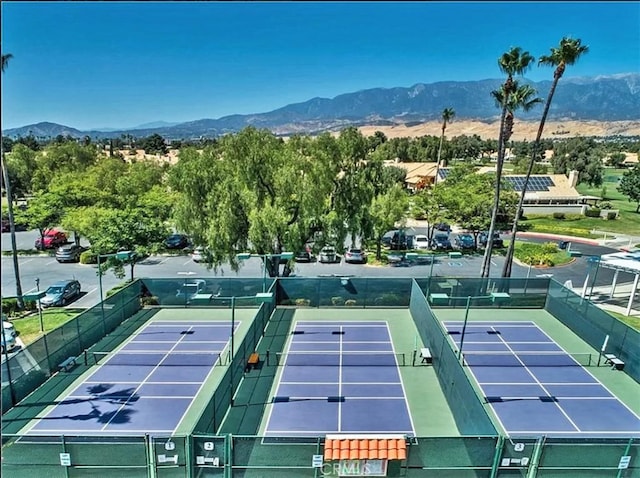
[337, 359]
[529, 359]
[176, 359]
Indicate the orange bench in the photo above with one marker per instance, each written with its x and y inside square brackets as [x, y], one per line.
[254, 360]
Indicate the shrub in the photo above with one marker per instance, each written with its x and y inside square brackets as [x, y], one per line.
[9, 306]
[611, 215]
[559, 215]
[303, 302]
[350, 302]
[387, 299]
[88, 257]
[593, 212]
[149, 300]
[605, 205]
[337, 300]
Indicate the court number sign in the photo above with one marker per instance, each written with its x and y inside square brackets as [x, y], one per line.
[65, 459]
[624, 462]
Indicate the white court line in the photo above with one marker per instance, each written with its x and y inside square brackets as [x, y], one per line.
[97, 398]
[25, 261]
[50, 262]
[91, 291]
[345, 383]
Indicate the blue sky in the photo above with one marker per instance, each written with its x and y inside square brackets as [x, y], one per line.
[122, 64]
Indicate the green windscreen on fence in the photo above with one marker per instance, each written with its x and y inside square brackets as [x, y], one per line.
[463, 399]
[30, 367]
[528, 293]
[593, 325]
[344, 292]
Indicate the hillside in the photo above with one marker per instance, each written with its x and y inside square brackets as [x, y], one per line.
[522, 130]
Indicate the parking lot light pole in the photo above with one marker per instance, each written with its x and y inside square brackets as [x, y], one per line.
[260, 298]
[243, 256]
[39, 305]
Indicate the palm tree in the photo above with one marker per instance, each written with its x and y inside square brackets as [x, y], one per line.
[567, 53]
[513, 62]
[12, 227]
[447, 116]
[5, 60]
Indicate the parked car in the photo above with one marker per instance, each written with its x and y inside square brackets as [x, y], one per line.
[52, 239]
[305, 255]
[464, 242]
[355, 256]
[61, 293]
[401, 241]
[328, 254]
[8, 342]
[69, 253]
[440, 242]
[189, 290]
[497, 241]
[176, 241]
[198, 254]
[421, 242]
[8, 329]
[17, 225]
[443, 226]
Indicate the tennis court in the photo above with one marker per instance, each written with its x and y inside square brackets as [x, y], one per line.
[146, 386]
[339, 376]
[535, 387]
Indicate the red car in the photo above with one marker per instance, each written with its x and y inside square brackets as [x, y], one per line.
[52, 239]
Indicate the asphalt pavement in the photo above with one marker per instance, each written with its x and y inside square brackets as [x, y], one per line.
[45, 268]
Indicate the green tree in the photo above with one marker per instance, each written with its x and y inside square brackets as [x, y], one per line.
[583, 155]
[630, 185]
[61, 158]
[568, 52]
[387, 209]
[43, 212]
[251, 189]
[514, 62]
[616, 159]
[20, 166]
[110, 230]
[154, 144]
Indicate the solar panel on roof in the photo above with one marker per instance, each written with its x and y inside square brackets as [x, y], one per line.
[536, 183]
[443, 172]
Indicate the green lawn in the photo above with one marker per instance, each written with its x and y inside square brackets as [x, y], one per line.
[29, 327]
[631, 321]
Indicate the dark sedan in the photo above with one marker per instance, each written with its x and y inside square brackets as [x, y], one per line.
[176, 241]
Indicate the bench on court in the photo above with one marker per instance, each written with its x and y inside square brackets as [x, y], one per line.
[67, 364]
[253, 361]
[614, 361]
[425, 353]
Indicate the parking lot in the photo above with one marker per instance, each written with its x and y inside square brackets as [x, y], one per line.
[48, 270]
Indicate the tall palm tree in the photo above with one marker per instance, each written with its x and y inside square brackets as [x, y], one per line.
[5, 60]
[447, 116]
[12, 226]
[567, 53]
[514, 62]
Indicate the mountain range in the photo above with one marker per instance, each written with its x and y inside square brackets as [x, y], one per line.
[601, 98]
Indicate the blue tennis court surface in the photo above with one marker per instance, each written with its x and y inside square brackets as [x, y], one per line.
[339, 377]
[535, 387]
[146, 386]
